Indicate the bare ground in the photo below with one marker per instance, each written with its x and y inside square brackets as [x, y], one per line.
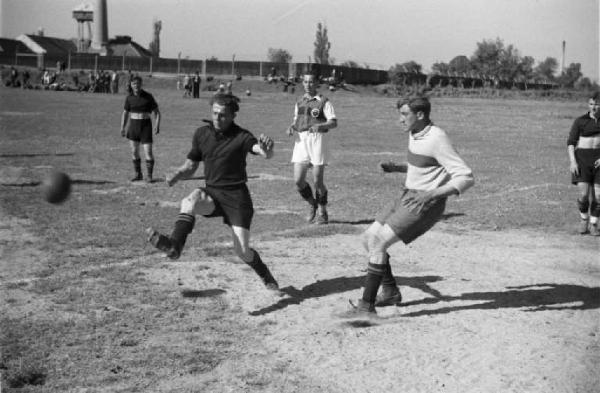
[510, 311]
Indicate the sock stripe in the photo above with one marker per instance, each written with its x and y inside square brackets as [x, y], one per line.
[186, 217]
[378, 270]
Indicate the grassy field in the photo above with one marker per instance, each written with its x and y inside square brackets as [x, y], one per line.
[84, 316]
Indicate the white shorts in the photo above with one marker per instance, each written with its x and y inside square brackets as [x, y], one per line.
[311, 148]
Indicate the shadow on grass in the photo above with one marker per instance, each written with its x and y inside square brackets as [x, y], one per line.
[11, 155]
[35, 183]
[202, 293]
[539, 297]
[338, 285]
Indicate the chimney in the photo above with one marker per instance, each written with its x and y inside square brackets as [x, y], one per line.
[100, 39]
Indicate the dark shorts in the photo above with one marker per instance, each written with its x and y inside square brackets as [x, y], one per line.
[587, 173]
[232, 203]
[407, 224]
[140, 130]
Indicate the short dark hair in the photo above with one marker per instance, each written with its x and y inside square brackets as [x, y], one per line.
[137, 78]
[595, 96]
[416, 104]
[227, 100]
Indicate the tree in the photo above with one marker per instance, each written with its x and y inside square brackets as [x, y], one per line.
[154, 46]
[487, 57]
[460, 65]
[546, 69]
[279, 56]
[401, 74]
[322, 45]
[440, 68]
[571, 75]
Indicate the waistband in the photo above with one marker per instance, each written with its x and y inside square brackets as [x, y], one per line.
[139, 116]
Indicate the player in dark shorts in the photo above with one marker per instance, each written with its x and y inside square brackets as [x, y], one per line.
[583, 146]
[434, 171]
[223, 147]
[136, 125]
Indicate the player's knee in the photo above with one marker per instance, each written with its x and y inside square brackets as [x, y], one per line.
[189, 203]
[583, 203]
[375, 243]
[378, 257]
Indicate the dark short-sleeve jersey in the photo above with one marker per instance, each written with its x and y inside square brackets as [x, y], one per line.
[223, 153]
[583, 126]
[145, 102]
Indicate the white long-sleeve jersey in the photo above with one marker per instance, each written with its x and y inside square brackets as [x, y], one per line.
[433, 162]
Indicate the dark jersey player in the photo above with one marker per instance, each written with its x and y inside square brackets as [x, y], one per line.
[583, 147]
[136, 125]
[223, 147]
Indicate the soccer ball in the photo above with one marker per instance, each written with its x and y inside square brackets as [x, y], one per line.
[248, 92]
[56, 187]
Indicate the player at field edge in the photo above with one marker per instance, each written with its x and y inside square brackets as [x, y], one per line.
[583, 147]
[314, 116]
[223, 147]
[136, 125]
[434, 171]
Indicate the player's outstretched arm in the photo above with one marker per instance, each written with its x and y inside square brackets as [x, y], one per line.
[391, 166]
[264, 147]
[188, 168]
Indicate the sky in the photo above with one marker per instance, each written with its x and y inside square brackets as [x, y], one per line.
[377, 33]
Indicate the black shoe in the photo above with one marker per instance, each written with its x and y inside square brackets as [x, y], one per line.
[138, 177]
[323, 218]
[163, 243]
[358, 310]
[388, 297]
[270, 282]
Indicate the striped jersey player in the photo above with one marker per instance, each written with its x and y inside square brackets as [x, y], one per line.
[434, 171]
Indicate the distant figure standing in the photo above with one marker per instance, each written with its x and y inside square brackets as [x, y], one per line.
[139, 106]
[583, 147]
[196, 80]
[114, 82]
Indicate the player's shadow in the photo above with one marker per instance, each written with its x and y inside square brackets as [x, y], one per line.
[10, 155]
[193, 293]
[539, 297]
[341, 284]
[91, 182]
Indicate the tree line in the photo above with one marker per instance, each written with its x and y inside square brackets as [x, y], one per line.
[491, 60]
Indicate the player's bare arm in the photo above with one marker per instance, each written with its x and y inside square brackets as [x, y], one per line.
[324, 127]
[390, 166]
[124, 118]
[188, 168]
[156, 121]
[573, 167]
[264, 147]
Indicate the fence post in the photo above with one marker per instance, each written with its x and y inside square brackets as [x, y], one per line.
[95, 64]
[150, 65]
[233, 67]
[69, 62]
[178, 64]
[123, 64]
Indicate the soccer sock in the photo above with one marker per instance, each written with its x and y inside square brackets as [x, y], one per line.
[372, 282]
[388, 279]
[183, 227]
[137, 166]
[260, 268]
[321, 198]
[594, 212]
[150, 168]
[307, 194]
[583, 205]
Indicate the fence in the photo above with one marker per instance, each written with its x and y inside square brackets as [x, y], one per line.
[86, 61]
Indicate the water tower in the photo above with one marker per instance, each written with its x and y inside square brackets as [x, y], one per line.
[84, 15]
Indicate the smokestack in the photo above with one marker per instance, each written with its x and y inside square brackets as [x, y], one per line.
[100, 39]
[562, 58]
